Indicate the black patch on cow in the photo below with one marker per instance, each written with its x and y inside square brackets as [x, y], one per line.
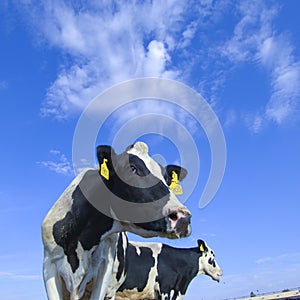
[120, 256]
[84, 224]
[176, 269]
[212, 262]
[138, 268]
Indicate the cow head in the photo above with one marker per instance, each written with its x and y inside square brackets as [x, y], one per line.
[135, 177]
[207, 262]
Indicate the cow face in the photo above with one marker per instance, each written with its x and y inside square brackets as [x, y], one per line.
[135, 177]
[207, 262]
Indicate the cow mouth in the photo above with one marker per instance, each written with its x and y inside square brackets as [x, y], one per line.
[215, 277]
[179, 224]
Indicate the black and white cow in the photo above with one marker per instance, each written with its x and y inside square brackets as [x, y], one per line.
[155, 271]
[80, 240]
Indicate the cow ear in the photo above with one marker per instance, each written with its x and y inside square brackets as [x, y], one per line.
[179, 171]
[105, 155]
[202, 246]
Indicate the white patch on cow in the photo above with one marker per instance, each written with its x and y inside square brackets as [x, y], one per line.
[138, 251]
[164, 296]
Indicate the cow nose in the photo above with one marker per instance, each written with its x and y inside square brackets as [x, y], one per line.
[183, 226]
[180, 223]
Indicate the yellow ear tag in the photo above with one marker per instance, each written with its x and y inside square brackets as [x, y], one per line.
[104, 169]
[175, 187]
[202, 248]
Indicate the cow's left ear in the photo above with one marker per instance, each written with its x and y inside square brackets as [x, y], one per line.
[105, 155]
[202, 246]
[179, 171]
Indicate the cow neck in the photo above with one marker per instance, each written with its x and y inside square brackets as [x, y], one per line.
[83, 224]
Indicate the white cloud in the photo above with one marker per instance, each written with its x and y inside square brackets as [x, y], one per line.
[254, 122]
[156, 61]
[250, 32]
[59, 165]
[285, 99]
[230, 118]
[276, 54]
[107, 43]
[263, 260]
[188, 34]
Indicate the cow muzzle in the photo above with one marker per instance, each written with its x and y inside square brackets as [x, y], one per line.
[179, 223]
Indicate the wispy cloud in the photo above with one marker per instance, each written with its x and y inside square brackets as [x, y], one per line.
[263, 260]
[60, 163]
[256, 40]
[254, 121]
[254, 26]
[3, 84]
[277, 54]
[15, 276]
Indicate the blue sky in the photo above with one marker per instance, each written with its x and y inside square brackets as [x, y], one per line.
[244, 59]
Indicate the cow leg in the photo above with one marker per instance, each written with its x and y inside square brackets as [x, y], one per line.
[170, 296]
[102, 282]
[105, 267]
[52, 280]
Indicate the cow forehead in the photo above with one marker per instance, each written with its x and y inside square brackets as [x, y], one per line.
[151, 164]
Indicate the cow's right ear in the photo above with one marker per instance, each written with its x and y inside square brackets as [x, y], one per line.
[105, 155]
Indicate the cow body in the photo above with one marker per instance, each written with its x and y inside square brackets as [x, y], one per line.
[152, 271]
[80, 237]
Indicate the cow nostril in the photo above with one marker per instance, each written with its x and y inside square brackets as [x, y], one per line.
[173, 216]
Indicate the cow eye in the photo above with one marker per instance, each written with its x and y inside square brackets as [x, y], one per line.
[133, 169]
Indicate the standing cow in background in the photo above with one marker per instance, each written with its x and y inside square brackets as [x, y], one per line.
[80, 241]
[155, 271]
